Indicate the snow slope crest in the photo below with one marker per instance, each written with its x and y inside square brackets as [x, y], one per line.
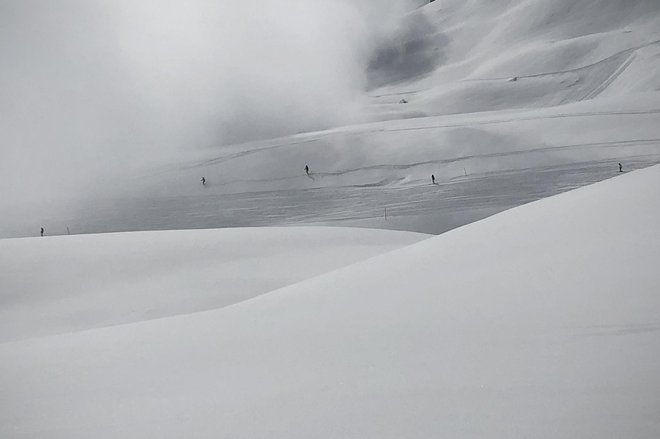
[56, 285]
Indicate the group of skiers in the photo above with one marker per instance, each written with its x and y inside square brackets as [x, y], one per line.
[203, 180]
[433, 182]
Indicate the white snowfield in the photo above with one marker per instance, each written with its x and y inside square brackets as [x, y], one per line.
[540, 322]
[62, 284]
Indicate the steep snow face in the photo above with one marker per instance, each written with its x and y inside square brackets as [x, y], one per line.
[63, 284]
[538, 322]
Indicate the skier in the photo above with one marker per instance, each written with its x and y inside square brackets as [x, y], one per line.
[42, 231]
[203, 180]
[432, 178]
[306, 170]
[620, 168]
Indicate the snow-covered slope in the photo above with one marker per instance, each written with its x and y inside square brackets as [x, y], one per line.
[540, 322]
[63, 284]
[508, 101]
[484, 163]
[455, 56]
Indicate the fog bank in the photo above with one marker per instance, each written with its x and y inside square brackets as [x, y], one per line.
[93, 90]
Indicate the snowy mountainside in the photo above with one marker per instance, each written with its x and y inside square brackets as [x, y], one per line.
[484, 163]
[541, 322]
[533, 314]
[488, 55]
[507, 101]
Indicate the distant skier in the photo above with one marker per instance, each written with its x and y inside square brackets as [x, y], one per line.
[620, 168]
[306, 170]
[432, 178]
[203, 180]
[42, 231]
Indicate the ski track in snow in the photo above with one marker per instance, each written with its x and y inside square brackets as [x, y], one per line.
[456, 200]
[361, 194]
[626, 54]
[252, 150]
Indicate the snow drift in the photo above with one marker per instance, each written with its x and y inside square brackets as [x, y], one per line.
[64, 284]
[537, 322]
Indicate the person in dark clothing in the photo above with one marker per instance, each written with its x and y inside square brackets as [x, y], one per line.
[42, 231]
[620, 168]
[203, 180]
[306, 170]
[432, 178]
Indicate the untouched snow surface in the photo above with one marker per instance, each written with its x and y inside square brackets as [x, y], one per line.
[539, 322]
[62, 284]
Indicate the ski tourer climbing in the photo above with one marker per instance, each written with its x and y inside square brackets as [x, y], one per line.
[306, 170]
[620, 168]
[203, 180]
[42, 231]
[432, 178]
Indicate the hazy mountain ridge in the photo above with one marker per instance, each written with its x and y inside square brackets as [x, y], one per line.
[457, 57]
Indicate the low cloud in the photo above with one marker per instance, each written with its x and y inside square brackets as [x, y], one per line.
[93, 90]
